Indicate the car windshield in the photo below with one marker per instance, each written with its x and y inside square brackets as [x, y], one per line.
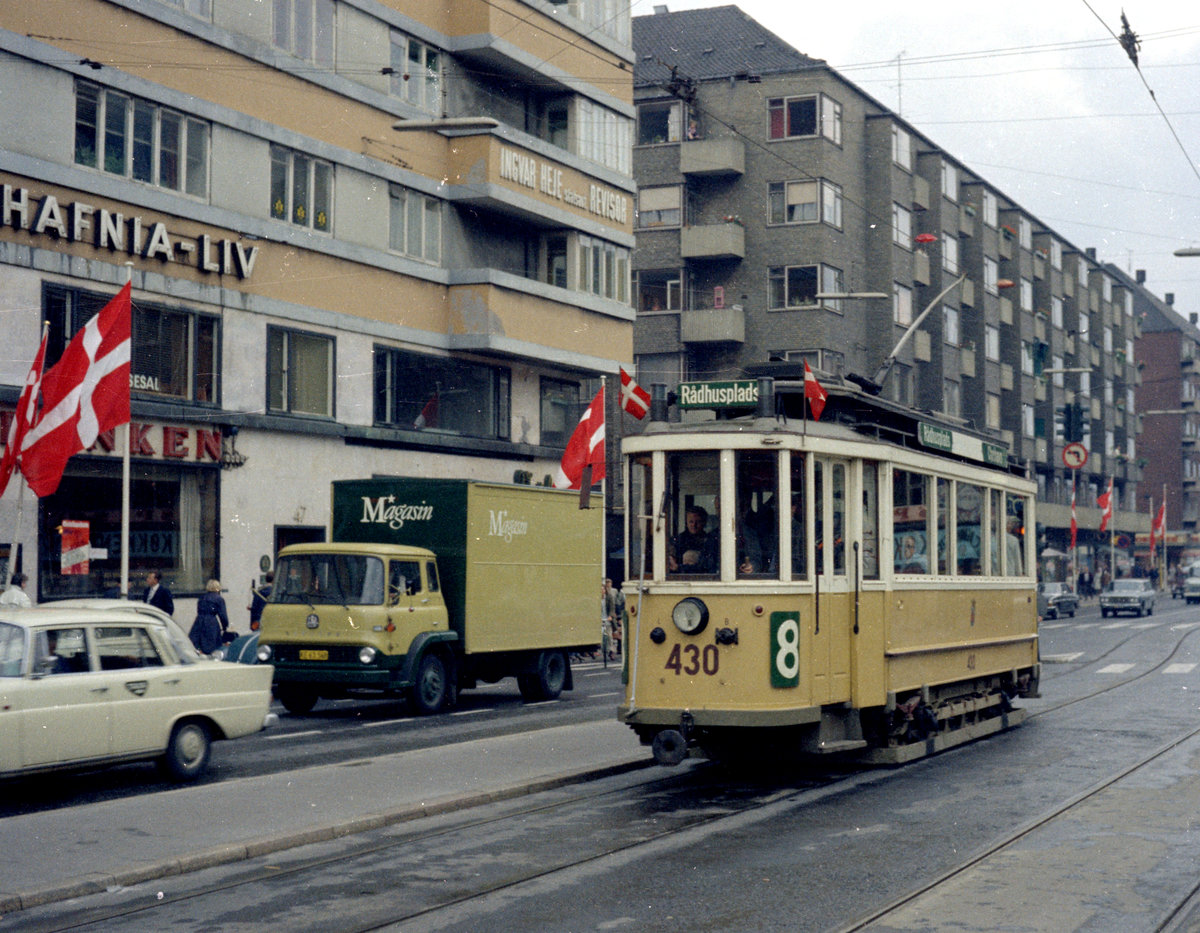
[1051, 589]
[343, 579]
[1128, 586]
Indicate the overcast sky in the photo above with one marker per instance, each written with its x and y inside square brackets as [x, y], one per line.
[1040, 100]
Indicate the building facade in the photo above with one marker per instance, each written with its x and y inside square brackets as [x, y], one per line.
[786, 216]
[364, 237]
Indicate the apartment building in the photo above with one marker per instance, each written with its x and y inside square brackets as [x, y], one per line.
[786, 216]
[364, 237]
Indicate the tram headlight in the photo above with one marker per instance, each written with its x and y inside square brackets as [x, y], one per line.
[366, 654]
[264, 653]
[690, 615]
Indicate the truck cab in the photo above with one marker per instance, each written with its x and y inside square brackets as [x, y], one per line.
[347, 617]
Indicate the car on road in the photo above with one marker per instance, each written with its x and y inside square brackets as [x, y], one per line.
[1056, 600]
[1131, 595]
[86, 687]
[1191, 589]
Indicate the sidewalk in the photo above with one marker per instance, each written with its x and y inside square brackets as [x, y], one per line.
[76, 851]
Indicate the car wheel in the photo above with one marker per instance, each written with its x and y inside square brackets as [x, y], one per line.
[429, 692]
[297, 700]
[187, 751]
[548, 681]
[1071, 613]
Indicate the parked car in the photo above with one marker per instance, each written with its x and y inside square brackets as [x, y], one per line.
[1191, 589]
[87, 687]
[1178, 584]
[1056, 600]
[1133, 595]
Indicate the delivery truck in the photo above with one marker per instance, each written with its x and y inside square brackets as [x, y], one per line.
[431, 586]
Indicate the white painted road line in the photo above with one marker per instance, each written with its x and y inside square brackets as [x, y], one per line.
[1115, 669]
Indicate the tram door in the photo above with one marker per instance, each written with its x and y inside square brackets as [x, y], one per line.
[833, 616]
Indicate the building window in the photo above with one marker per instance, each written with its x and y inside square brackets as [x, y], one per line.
[902, 148]
[136, 139]
[991, 341]
[659, 290]
[793, 202]
[1081, 271]
[602, 135]
[422, 392]
[603, 268]
[301, 189]
[1105, 288]
[831, 204]
[660, 123]
[1055, 254]
[299, 372]
[660, 207]
[832, 283]
[1025, 233]
[1056, 363]
[553, 260]
[1056, 312]
[901, 384]
[950, 254]
[1026, 295]
[1028, 422]
[991, 209]
[305, 29]
[798, 286]
[560, 411]
[950, 333]
[174, 352]
[199, 8]
[901, 226]
[951, 398]
[815, 115]
[416, 73]
[993, 411]
[902, 307]
[415, 224]
[949, 181]
[991, 276]
[1027, 358]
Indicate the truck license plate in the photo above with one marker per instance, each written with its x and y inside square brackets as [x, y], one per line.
[312, 654]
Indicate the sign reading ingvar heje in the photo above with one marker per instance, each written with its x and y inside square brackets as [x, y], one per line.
[742, 393]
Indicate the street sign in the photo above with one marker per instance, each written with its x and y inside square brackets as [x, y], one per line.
[1074, 456]
[741, 393]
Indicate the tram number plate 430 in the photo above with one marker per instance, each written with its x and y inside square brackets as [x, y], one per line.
[693, 659]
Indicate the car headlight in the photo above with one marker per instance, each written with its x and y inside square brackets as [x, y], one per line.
[264, 653]
[690, 615]
[367, 654]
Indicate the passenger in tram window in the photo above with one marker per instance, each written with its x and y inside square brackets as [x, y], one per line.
[911, 556]
[749, 547]
[694, 549]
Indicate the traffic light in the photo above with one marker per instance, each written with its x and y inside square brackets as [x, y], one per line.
[1072, 422]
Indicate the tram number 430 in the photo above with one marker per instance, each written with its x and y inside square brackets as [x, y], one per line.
[694, 659]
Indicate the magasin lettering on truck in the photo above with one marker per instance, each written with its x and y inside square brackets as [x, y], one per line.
[431, 586]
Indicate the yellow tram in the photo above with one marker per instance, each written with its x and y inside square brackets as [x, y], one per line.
[863, 583]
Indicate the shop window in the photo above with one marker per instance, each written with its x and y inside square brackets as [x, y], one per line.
[305, 29]
[422, 392]
[416, 72]
[140, 140]
[299, 372]
[301, 189]
[174, 351]
[415, 225]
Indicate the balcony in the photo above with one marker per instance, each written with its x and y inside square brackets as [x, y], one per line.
[966, 221]
[967, 291]
[713, 325]
[920, 267]
[724, 155]
[713, 241]
[920, 201]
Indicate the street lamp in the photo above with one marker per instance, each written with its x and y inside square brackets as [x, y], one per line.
[1188, 251]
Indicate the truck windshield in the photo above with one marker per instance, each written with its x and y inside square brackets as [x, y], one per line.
[343, 579]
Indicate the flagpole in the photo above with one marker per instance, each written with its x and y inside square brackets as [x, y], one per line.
[604, 493]
[1074, 535]
[124, 442]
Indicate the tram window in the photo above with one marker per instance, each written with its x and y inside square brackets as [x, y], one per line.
[910, 518]
[640, 516]
[757, 526]
[1014, 538]
[943, 525]
[870, 522]
[838, 542]
[968, 525]
[694, 484]
[996, 519]
[799, 522]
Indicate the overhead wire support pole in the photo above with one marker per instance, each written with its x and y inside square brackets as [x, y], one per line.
[891, 357]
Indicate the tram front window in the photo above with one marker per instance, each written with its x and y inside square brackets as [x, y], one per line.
[757, 527]
[693, 484]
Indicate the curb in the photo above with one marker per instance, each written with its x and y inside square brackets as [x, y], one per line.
[266, 845]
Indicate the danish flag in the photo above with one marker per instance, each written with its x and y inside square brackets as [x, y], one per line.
[585, 448]
[84, 394]
[22, 418]
[1105, 503]
[634, 399]
[814, 392]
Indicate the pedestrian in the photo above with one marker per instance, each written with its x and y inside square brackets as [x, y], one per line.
[157, 593]
[619, 617]
[212, 621]
[15, 596]
[608, 615]
[258, 599]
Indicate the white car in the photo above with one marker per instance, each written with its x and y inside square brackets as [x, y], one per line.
[82, 687]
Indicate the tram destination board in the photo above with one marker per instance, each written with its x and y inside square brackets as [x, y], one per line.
[740, 393]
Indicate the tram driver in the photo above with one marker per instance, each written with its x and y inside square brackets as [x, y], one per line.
[693, 550]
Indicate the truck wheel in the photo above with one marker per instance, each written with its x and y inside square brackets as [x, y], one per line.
[187, 751]
[296, 700]
[548, 681]
[429, 692]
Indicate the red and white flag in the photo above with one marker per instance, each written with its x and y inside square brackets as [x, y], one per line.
[1105, 503]
[814, 393]
[634, 399]
[429, 414]
[23, 417]
[84, 394]
[1158, 527]
[585, 448]
[1074, 524]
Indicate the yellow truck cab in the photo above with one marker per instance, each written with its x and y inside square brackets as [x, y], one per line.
[431, 586]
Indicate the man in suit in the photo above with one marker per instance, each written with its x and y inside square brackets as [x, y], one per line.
[157, 593]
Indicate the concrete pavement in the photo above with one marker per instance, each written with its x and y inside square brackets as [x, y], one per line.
[76, 851]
